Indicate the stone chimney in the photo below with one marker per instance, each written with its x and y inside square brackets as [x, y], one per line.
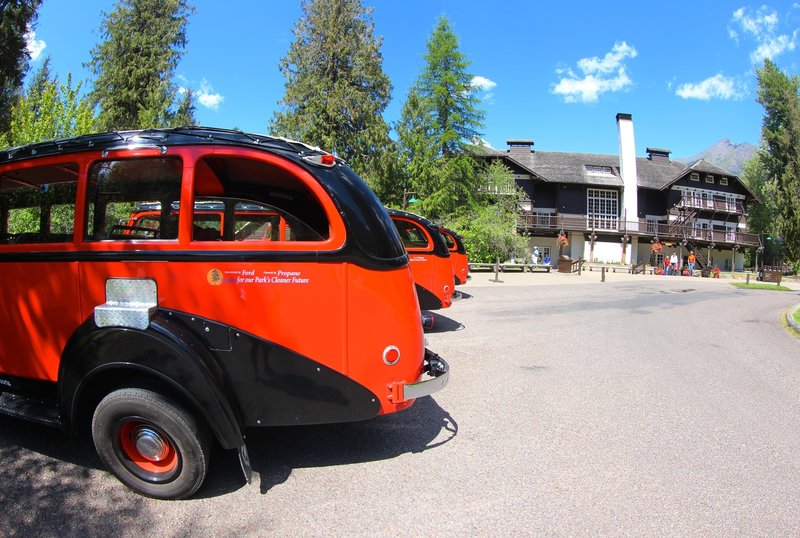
[519, 146]
[627, 168]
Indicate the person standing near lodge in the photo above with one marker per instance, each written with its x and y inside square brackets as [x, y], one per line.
[690, 261]
[666, 265]
[673, 262]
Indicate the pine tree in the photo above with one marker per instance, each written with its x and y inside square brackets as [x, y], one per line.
[17, 17]
[446, 88]
[185, 116]
[134, 65]
[780, 138]
[442, 105]
[47, 110]
[417, 147]
[336, 90]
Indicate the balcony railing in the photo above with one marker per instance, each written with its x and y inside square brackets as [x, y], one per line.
[716, 203]
[531, 221]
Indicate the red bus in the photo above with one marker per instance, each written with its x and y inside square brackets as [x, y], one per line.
[430, 259]
[123, 318]
[458, 255]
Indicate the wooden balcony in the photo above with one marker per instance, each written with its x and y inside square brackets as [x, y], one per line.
[717, 204]
[547, 223]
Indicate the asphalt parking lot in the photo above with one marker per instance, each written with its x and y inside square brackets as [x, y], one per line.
[637, 406]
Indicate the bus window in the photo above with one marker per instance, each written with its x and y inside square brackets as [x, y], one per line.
[118, 189]
[37, 205]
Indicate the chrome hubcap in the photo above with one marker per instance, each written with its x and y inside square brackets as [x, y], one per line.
[150, 444]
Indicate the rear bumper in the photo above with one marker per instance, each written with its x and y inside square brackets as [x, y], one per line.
[435, 375]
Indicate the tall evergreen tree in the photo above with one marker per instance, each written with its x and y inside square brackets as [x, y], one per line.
[443, 105]
[17, 17]
[336, 90]
[780, 138]
[134, 65]
[185, 115]
[48, 109]
[762, 218]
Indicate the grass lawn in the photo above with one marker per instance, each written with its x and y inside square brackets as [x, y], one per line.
[796, 316]
[759, 286]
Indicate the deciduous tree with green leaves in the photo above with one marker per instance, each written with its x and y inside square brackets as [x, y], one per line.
[489, 228]
[48, 109]
[336, 90]
[440, 120]
[17, 17]
[780, 139]
[143, 41]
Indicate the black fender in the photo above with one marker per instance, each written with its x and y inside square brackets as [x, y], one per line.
[427, 299]
[167, 352]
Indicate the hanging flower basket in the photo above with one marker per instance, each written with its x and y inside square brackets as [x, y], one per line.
[562, 240]
[657, 247]
[715, 272]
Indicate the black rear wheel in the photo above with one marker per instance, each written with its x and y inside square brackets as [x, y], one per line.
[153, 445]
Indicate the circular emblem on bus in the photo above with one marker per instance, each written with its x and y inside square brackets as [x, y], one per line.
[214, 277]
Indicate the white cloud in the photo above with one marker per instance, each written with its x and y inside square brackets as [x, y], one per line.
[599, 75]
[207, 97]
[483, 83]
[484, 86]
[34, 46]
[716, 87]
[762, 27]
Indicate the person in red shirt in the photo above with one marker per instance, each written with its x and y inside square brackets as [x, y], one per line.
[666, 265]
[690, 261]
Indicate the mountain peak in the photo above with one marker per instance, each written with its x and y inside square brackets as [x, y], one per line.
[725, 154]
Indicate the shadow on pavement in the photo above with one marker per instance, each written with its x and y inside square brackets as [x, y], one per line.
[45, 480]
[443, 324]
[276, 452]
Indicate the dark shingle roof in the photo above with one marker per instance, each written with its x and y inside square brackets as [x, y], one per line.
[563, 167]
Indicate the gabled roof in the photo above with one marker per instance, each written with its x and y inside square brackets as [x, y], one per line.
[706, 167]
[563, 167]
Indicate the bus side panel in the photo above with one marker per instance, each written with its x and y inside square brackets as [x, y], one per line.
[39, 311]
[384, 315]
[299, 306]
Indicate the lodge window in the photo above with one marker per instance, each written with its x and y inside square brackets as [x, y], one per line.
[133, 199]
[723, 181]
[709, 179]
[37, 205]
[602, 209]
[695, 176]
[544, 254]
[599, 170]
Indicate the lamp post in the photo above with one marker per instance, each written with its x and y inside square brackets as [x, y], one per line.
[625, 238]
[592, 238]
[710, 248]
[407, 200]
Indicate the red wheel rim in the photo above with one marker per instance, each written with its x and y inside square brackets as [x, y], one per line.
[148, 448]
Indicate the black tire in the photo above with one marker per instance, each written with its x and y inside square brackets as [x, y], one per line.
[151, 444]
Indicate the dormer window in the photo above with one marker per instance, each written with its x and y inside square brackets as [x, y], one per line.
[723, 180]
[599, 170]
[709, 179]
[695, 176]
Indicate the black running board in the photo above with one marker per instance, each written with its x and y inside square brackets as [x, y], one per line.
[37, 410]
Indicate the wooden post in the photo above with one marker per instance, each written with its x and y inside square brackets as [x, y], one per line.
[602, 274]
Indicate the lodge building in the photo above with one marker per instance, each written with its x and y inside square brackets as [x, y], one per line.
[612, 208]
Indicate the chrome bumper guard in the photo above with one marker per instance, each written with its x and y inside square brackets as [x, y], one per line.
[435, 375]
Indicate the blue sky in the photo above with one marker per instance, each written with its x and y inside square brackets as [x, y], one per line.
[554, 72]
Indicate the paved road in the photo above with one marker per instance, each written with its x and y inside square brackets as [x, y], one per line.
[639, 406]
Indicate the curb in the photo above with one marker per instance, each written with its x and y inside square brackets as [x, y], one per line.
[790, 318]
